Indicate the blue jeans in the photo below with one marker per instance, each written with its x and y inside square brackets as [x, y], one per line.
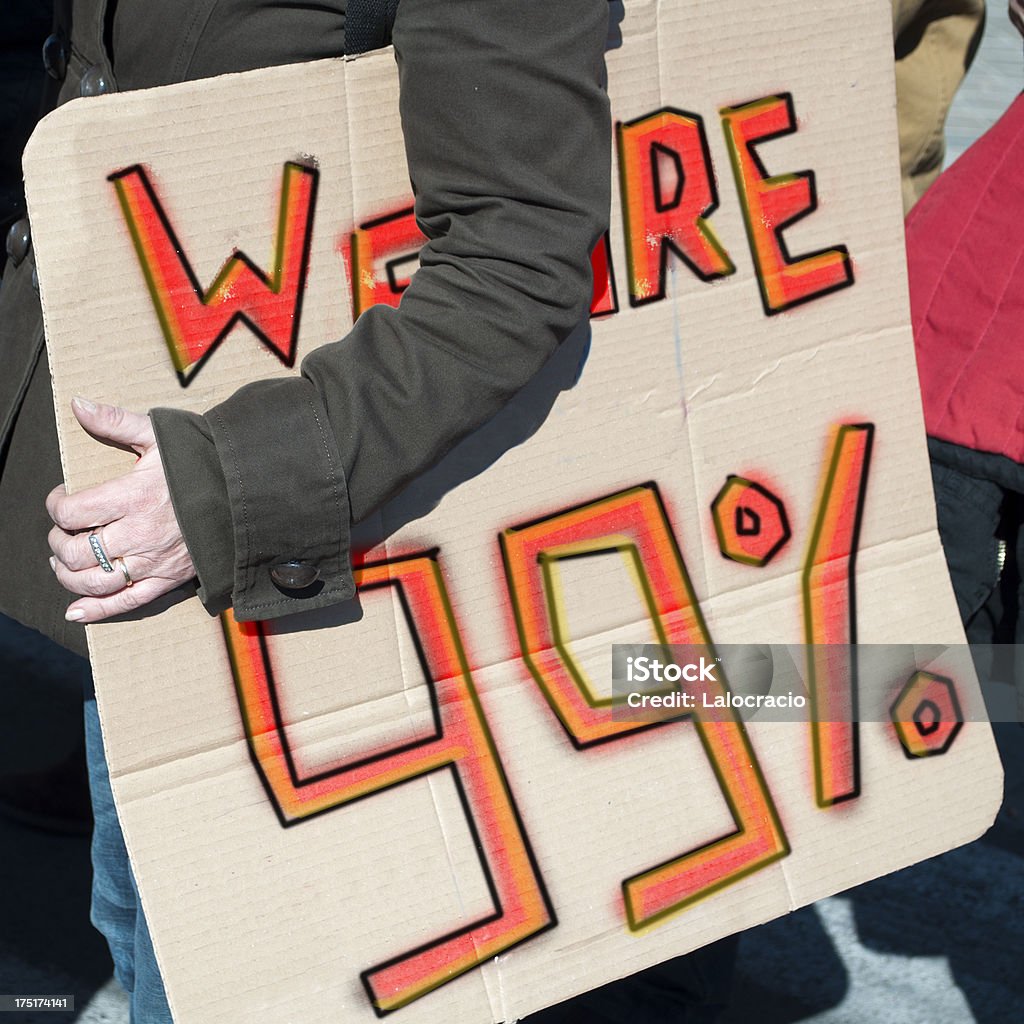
[116, 910]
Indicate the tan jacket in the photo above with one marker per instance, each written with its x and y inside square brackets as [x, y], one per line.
[935, 44]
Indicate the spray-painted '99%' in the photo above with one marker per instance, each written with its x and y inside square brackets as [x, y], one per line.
[665, 211]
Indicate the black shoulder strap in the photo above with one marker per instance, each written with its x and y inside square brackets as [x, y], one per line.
[368, 24]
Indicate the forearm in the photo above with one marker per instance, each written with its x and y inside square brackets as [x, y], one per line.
[507, 136]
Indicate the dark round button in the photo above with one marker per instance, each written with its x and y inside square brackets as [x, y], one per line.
[294, 575]
[19, 238]
[55, 57]
[94, 82]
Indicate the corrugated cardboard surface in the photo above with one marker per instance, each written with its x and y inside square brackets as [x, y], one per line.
[255, 922]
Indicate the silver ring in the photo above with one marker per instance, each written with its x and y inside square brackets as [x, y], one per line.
[128, 581]
[101, 555]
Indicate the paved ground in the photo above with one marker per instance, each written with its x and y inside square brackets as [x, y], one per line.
[939, 943]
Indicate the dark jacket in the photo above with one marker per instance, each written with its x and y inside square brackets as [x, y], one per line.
[23, 26]
[507, 137]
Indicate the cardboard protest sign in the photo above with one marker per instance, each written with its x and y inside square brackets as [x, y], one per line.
[425, 802]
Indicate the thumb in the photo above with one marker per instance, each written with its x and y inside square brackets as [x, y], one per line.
[112, 423]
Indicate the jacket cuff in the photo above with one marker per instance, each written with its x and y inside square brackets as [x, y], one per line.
[200, 499]
[282, 488]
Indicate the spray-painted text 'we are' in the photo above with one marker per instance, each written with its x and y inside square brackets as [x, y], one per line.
[669, 195]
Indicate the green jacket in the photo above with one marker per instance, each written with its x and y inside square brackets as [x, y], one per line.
[509, 160]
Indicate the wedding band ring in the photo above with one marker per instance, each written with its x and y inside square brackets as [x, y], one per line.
[101, 555]
[128, 581]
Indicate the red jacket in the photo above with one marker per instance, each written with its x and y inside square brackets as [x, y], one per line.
[965, 250]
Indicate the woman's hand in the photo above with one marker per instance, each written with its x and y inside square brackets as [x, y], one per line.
[130, 520]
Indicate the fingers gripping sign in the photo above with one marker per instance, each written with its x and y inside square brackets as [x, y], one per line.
[117, 544]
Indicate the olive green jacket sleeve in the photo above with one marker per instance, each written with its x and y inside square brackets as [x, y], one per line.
[507, 137]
